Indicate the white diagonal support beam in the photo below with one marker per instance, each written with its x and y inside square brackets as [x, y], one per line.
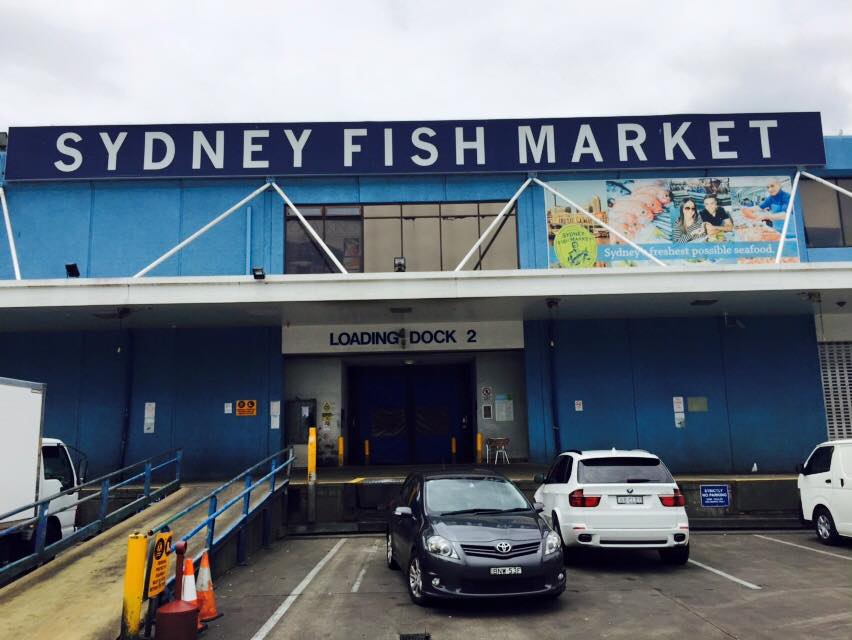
[493, 224]
[322, 245]
[9, 234]
[600, 222]
[787, 217]
[168, 254]
[837, 188]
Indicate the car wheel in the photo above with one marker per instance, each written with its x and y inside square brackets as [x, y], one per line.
[415, 581]
[391, 562]
[675, 555]
[824, 525]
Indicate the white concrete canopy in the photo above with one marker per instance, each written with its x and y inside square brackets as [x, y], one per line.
[422, 297]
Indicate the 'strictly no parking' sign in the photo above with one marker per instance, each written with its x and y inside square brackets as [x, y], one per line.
[715, 495]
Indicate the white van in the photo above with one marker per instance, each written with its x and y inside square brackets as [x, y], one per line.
[825, 489]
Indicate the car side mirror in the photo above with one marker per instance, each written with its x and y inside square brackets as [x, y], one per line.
[800, 468]
[403, 512]
[538, 478]
[538, 506]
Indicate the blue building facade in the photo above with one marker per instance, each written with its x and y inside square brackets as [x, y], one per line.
[751, 384]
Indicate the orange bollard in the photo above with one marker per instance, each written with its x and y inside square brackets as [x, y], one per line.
[188, 592]
[204, 587]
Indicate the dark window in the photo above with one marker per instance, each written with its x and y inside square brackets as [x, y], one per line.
[340, 227]
[431, 237]
[820, 461]
[622, 470]
[827, 213]
[461, 494]
[560, 471]
[57, 466]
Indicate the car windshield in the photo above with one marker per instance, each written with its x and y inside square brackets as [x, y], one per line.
[471, 495]
[622, 470]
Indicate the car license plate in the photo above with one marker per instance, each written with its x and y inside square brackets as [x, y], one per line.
[629, 499]
[505, 571]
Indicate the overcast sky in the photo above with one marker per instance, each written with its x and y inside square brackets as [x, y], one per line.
[166, 62]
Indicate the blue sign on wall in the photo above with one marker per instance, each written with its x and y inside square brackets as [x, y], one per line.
[715, 495]
[364, 148]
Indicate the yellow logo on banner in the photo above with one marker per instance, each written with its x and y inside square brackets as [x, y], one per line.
[575, 247]
[246, 407]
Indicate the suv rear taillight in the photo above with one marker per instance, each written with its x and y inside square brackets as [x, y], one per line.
[577, 499]
[676, 500]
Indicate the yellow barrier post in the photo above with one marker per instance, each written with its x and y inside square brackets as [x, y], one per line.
[339, 451]
[453, 448]
[134, 584]
[478, 448]
[312, 474]
[366, 452]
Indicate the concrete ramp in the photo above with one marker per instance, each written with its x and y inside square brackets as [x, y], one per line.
[79, 593]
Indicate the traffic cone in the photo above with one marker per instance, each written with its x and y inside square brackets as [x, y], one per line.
[206, 597]
[188, 593]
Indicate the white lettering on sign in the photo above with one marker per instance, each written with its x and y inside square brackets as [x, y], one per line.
[216, 155]
[66, 150]
[90, 152]
[388, 338]
[537, 146]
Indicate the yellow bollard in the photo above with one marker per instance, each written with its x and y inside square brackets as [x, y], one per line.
[312, 474]
[339, 451]
[134, 584]
[453, 448]
[478, 448]
[312, 455]
[366, 452]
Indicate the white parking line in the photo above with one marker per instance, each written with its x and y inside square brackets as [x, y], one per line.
[300, 588]
[725, 575]
[801, 546]
[361, 573]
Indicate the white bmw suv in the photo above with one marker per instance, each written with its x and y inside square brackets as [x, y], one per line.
[621, 499]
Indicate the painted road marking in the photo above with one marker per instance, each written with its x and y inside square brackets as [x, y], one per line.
[356, 480]
[361, 573]
[801, 546]
[725, 575]
[300, 588]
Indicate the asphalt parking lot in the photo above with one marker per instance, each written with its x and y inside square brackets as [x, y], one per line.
[737, 585]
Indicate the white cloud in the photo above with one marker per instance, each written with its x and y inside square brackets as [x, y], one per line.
[104, 62]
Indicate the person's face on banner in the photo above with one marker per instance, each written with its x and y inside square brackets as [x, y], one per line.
[710, 204]
[773, 188]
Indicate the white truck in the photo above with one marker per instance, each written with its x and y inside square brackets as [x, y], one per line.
[31, 468]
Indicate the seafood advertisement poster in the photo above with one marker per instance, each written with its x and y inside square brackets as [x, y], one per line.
[727, 220]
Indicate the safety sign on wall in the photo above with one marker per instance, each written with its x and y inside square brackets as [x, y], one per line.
[159, 551]
[246, 407]
[150, 418]
[715, 495]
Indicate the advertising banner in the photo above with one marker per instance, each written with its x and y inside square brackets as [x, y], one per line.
[415, 147]
[708, 219]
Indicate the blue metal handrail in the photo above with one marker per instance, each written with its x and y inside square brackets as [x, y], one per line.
[212, 498]
[105, 519]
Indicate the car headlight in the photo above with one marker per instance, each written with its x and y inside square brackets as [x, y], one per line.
[440, 547]
[552, 543]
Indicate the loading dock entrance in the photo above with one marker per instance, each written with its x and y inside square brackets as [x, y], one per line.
[410, 414]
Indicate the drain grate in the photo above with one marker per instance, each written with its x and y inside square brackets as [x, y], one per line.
[415, 636]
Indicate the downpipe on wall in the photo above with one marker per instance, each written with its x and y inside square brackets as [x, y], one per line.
[552, 304]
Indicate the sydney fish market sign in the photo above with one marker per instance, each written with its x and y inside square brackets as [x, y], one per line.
[364, 148]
